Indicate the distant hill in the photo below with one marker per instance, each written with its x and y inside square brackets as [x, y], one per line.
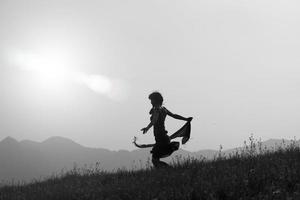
[272, 175]
[27, 160]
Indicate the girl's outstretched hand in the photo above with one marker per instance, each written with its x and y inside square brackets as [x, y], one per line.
[144, 130]
[134, 142]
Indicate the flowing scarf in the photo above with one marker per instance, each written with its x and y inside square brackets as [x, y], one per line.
[184, 132]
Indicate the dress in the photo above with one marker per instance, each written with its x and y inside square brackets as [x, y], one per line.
[163, 146]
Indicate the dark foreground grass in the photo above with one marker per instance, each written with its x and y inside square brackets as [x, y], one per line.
[268, 175]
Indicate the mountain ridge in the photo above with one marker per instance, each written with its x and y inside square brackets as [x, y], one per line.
[63, 140]
[26, 160]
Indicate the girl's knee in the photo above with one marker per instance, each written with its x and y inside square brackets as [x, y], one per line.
[155, 161]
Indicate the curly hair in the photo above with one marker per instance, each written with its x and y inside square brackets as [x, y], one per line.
[156, 97]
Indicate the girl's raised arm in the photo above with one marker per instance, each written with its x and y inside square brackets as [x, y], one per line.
[176, 116]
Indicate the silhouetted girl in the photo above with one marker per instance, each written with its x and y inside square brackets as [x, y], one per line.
[163, 146]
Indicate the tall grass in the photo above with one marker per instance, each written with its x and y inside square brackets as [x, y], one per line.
[250, 173]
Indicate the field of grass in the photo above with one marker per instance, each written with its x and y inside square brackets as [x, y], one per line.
[244, 175]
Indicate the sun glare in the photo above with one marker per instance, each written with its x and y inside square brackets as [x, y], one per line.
[52, 71]
[49, 69]
[45, 62]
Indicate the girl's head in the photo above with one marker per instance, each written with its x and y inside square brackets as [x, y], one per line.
[156, 99]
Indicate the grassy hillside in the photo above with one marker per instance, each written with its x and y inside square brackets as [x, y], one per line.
[245, 175]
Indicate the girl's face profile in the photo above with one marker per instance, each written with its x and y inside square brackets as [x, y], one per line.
[152, 102]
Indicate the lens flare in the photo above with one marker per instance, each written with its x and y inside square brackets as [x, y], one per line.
[52, 71]
[97, 83]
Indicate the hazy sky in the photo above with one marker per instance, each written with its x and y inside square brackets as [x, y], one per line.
[84, 69]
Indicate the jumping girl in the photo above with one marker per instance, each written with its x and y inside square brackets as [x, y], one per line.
[163, 146]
